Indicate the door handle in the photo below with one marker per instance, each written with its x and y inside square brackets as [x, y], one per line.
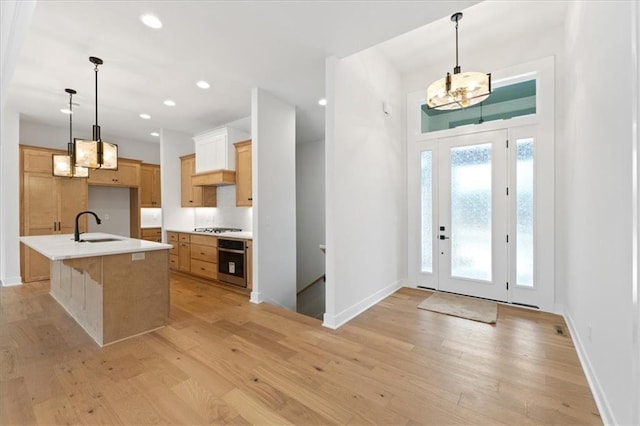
[442, 237]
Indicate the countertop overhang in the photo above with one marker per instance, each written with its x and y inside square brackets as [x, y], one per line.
[62, 246]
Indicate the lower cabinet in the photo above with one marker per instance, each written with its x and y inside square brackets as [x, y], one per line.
[204, 256]
[197, 255]
[194, 254]
[174, 253]
[152, 234]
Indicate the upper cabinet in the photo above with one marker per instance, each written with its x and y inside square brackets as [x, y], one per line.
[214, 150]
[190, 195]
[244, 196]
[150, 185]
[127, 175]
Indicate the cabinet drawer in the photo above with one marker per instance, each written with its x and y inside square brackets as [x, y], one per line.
[204, 269]
[173, 261]
[172, 237]
[174, 250]
[184, 238]
[204, 240]
[151, 232]
[204, 253]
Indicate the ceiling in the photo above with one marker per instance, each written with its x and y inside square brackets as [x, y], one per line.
[279, 46]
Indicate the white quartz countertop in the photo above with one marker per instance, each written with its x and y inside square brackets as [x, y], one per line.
[242, 235]
[62, 246]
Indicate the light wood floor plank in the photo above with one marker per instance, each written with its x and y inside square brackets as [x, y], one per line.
[224, 360]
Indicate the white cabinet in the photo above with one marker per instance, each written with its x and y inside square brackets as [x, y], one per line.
[215, 150]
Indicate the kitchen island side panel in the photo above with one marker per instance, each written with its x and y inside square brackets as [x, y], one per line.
[135, 293]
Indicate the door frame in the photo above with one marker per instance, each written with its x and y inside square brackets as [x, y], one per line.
[543, 295]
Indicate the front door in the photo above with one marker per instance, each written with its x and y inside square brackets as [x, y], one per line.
[472, 220]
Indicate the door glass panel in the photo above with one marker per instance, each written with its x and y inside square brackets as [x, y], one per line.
[471, 212]
[426, 196]
[524, 212]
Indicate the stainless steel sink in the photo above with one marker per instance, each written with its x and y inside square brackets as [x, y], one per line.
[100, 240]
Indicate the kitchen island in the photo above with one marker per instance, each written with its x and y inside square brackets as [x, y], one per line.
[114, 287]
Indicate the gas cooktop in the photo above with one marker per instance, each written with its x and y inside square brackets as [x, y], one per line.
[216, 230]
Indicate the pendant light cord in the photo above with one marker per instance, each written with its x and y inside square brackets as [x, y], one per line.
[70, 124]
[457, 66]
[96, 70]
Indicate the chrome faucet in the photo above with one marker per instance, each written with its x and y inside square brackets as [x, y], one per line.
[76, 231]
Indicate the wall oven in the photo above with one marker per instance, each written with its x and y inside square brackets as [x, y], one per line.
[231, 262]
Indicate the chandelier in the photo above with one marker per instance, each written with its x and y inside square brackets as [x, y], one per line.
[62, 164]
[459, 90]
[95, 153]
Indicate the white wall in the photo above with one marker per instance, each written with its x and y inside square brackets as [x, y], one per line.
[173, 145]
[310, 210]
[274, 200]
[9, 198]
[594, 202]
[15, 21]
[38, 134]
[366, 204]
[111, 204]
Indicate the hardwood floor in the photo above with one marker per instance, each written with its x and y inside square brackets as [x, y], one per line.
[222, 359]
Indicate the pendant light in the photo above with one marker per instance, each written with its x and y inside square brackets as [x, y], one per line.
[95, 153]
[459, 90]
[62, 164]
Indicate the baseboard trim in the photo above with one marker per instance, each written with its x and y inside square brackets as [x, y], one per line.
[358, 308]
[606, 413]
[255, 297]
[11, 281]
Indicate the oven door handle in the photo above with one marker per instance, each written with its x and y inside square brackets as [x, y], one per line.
[231, 251]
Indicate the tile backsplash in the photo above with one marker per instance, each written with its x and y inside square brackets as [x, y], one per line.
[226, 214]
[151, 217]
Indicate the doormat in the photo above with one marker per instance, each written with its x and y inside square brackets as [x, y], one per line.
[461, 306]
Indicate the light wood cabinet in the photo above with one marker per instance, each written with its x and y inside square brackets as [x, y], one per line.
[244, 197]
[152, 234]
[127, 175]
[190, 195]
[48, 205]
[150, 185]
[204, 256]
[174, 252]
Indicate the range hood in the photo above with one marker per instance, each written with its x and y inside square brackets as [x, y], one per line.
[220, 177]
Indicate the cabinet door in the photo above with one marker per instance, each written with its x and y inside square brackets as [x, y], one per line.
[184, 257]
[156, 197]
[146, 184]
[103, 177]
[72, 199]
[40, 204]
[128, 174]
[243, 174]
[149, 185]
[187, 195]
[35, 267]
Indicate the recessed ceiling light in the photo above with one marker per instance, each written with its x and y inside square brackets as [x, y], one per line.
[169, 102]
[203, 84]
[66, 111]
[151, 21]
[156, 134]
[145, 116]
[322, 102]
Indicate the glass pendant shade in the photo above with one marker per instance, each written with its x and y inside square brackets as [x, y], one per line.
[109, 154]
[459, 90]
[86, 153]
[62, 165]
